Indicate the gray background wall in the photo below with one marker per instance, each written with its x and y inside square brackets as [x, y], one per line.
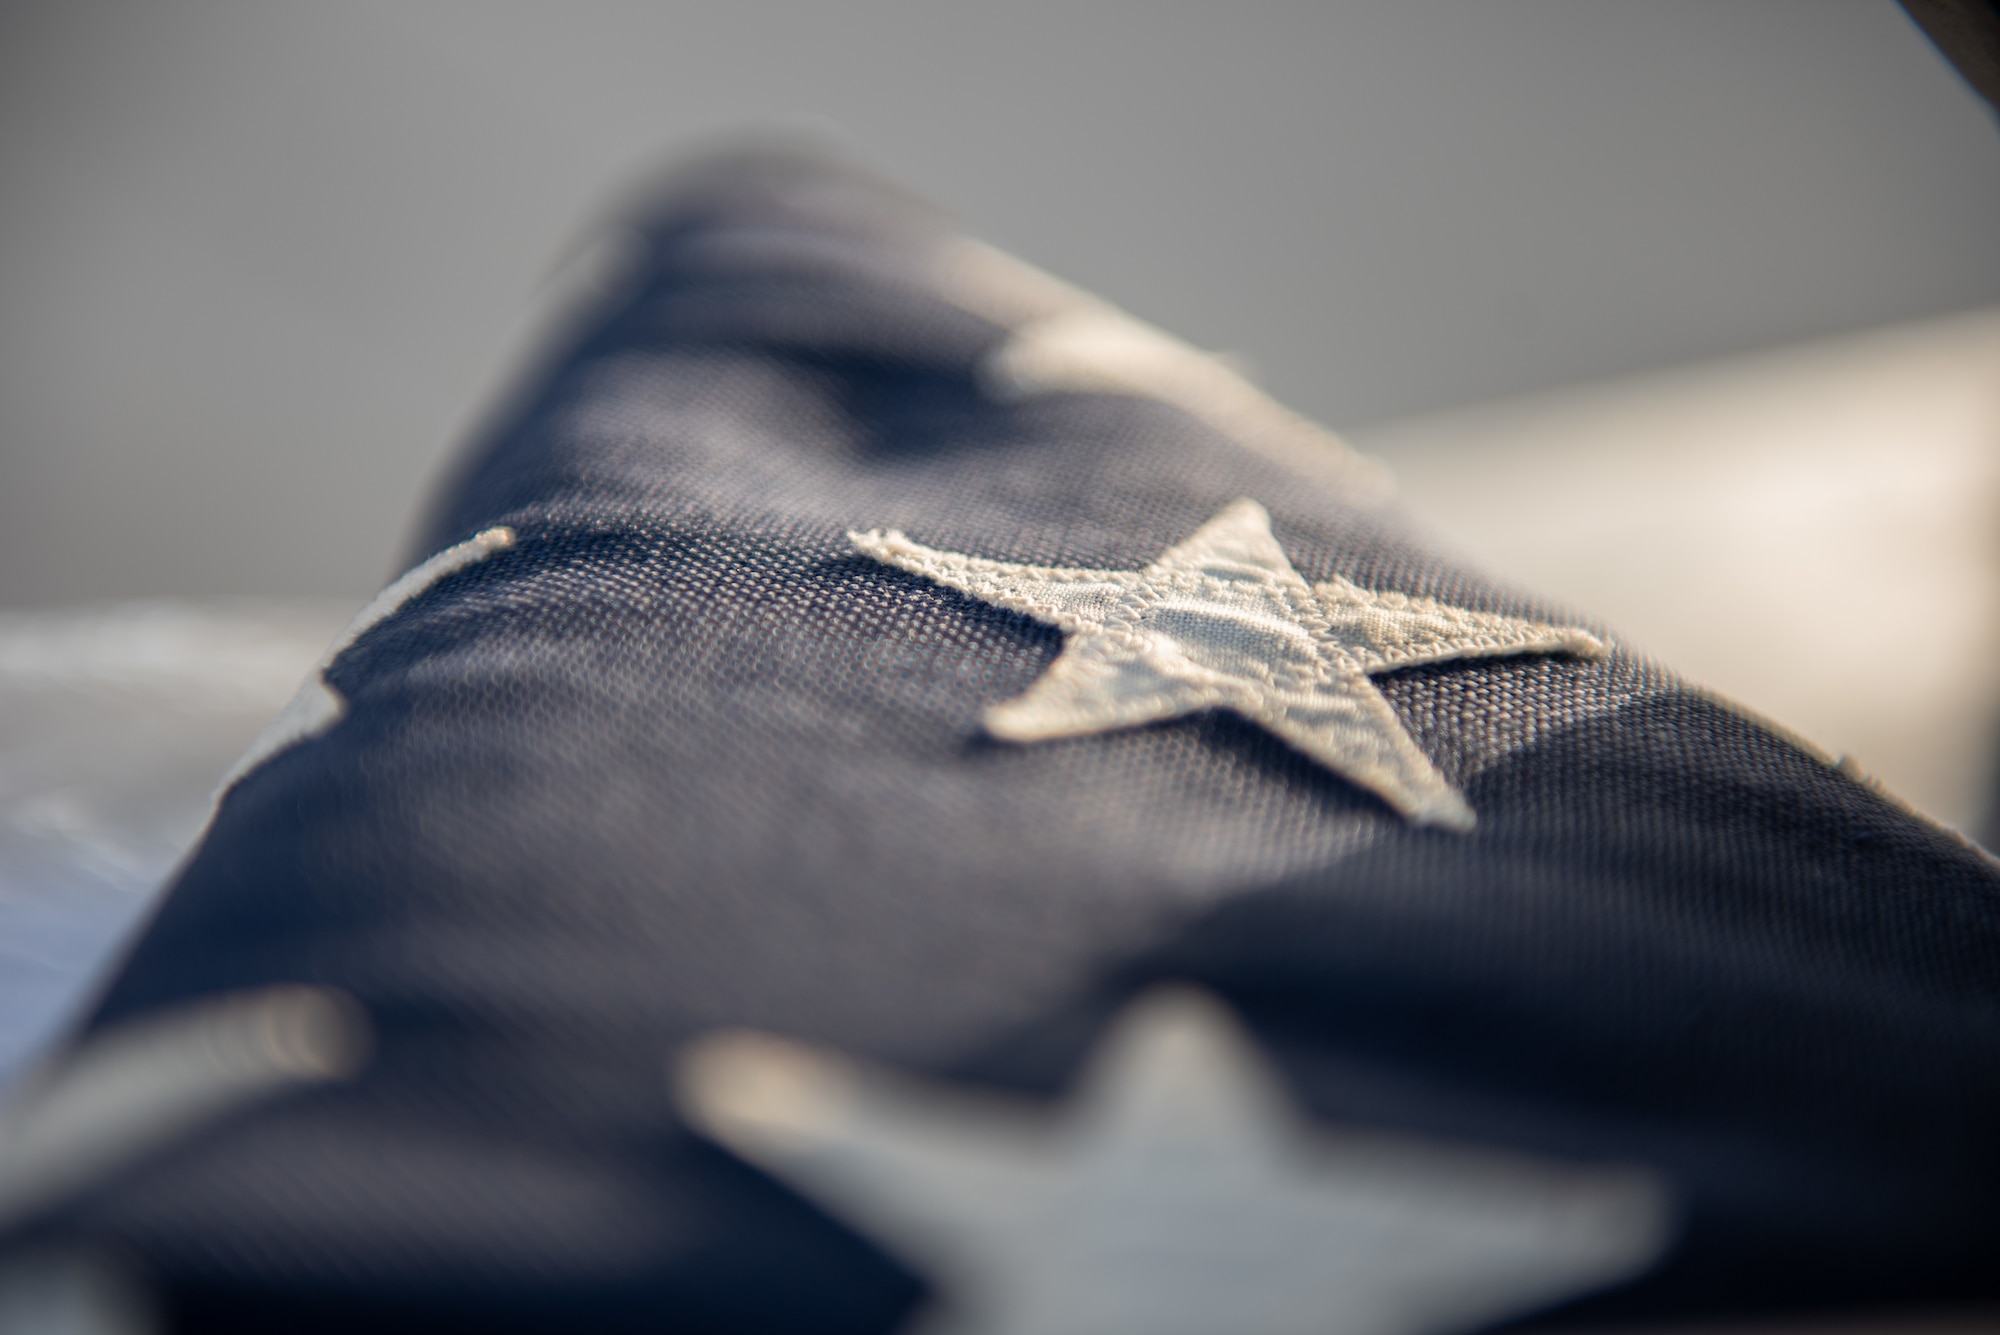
[258, 260]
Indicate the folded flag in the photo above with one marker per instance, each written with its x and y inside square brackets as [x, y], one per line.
[901, 797]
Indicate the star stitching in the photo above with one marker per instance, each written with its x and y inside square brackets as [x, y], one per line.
[1178, 1192]
[1223, 621]
[317, 707]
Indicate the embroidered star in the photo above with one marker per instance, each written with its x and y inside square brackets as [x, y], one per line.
[317, 707]
[1223, 621]
[1178, 1193]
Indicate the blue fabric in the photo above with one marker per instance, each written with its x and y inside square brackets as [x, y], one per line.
[679, 759]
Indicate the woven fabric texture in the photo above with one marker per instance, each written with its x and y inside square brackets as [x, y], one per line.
[679, 758]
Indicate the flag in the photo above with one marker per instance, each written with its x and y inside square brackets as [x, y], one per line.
[898, 796]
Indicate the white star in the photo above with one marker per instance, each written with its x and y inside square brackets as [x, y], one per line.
[1179, 1194]
[1222, 621]
[318, 707]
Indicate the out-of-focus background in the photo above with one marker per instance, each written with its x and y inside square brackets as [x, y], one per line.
[1687, 313]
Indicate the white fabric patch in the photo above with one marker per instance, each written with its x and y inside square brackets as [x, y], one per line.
[137, 1087]
[1065, 340]
[1178, 1193]
[317, 707]
[1223, 621]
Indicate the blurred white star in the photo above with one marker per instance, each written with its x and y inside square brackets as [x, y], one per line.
[1178, 1193]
